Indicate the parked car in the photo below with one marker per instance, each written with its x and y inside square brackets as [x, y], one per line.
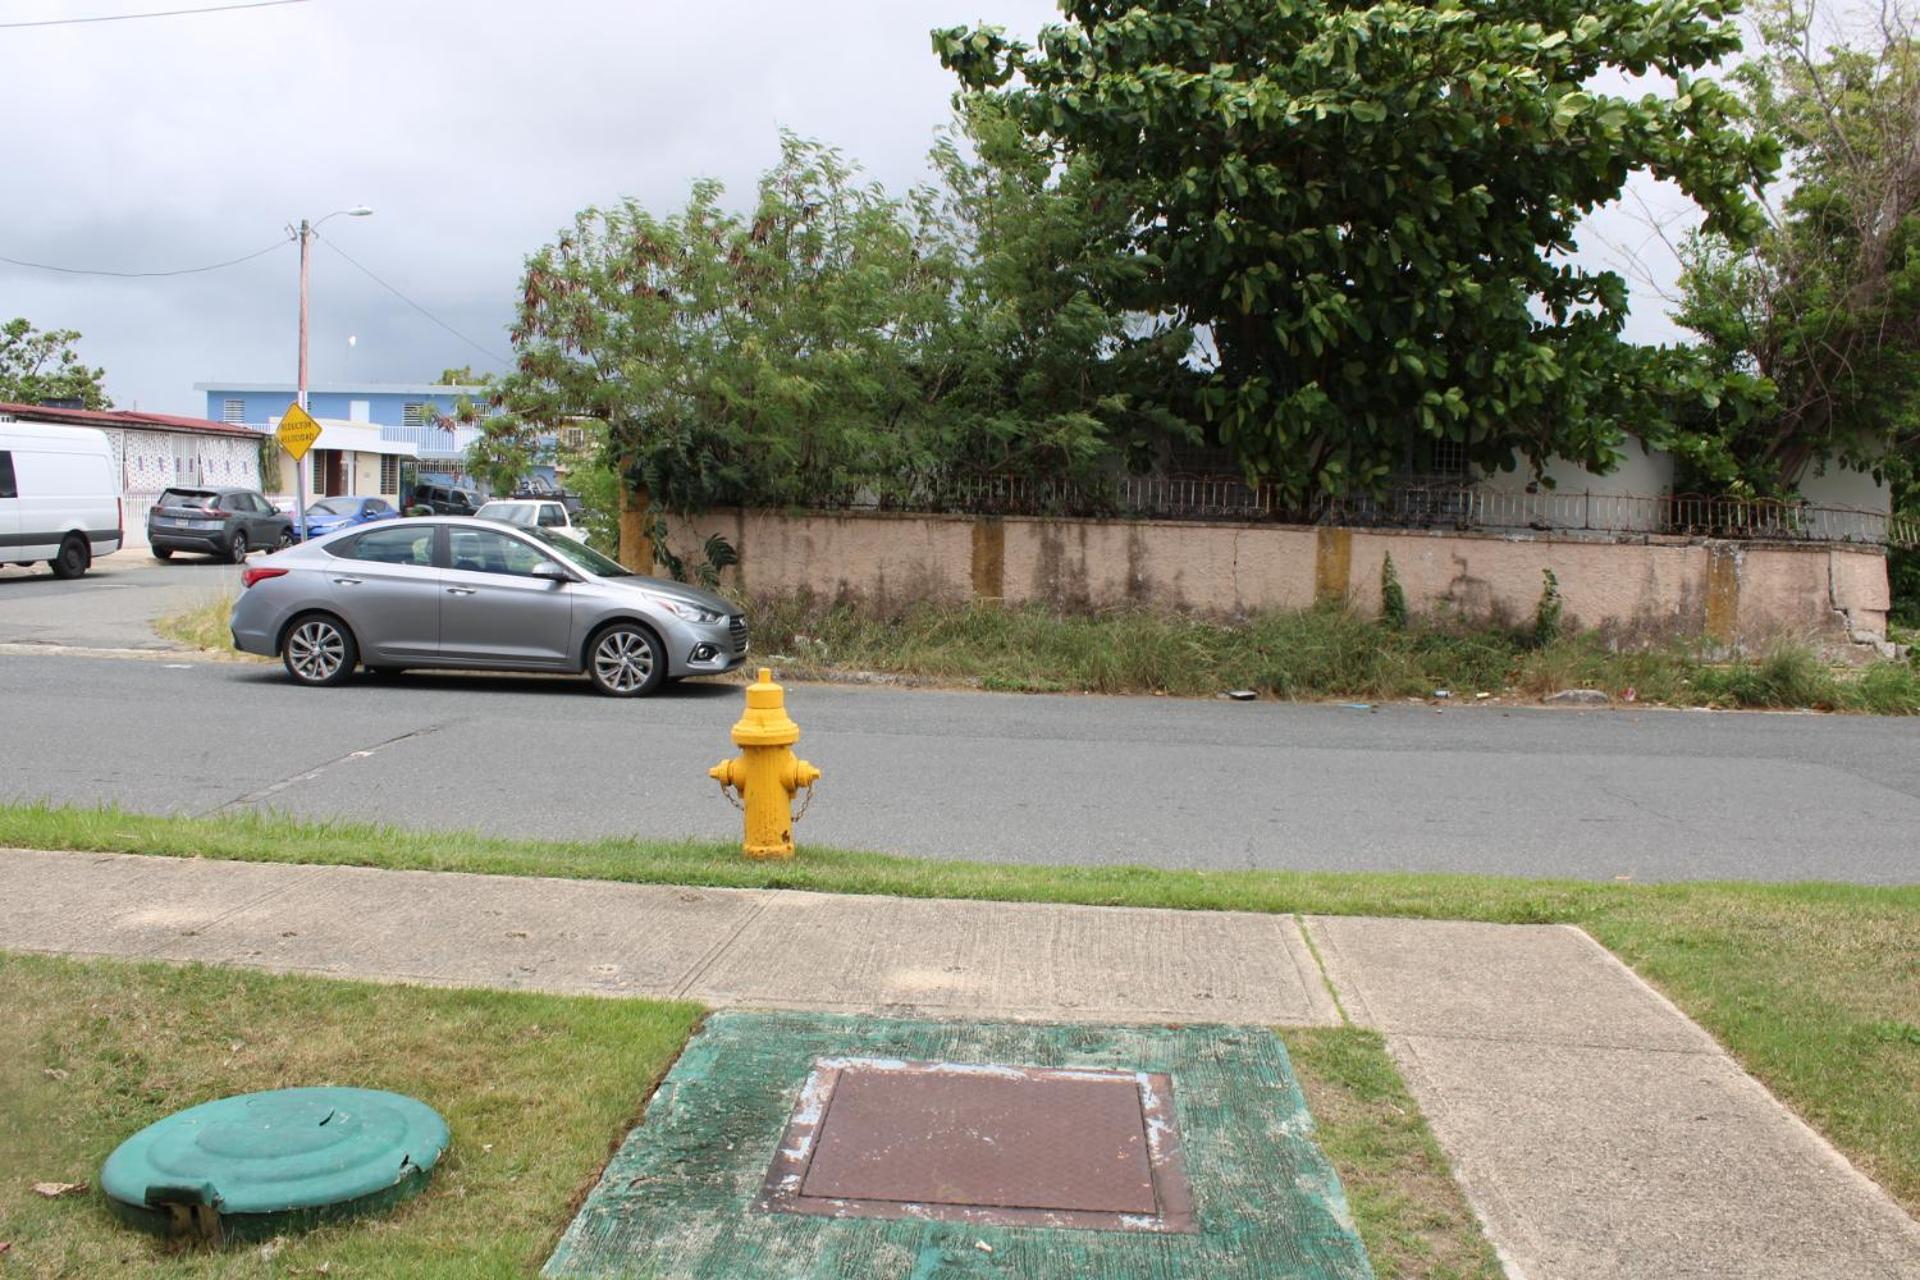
[441, 591]
[546, 513]
[218, 522]
[59, 497]
[546, 490]
[442, 501]
[330, 515]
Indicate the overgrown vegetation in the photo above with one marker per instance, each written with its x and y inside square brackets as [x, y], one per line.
[1810, 986]
[1319, 653]
[1813, 327]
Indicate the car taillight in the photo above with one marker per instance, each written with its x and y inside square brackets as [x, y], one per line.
[259, 573]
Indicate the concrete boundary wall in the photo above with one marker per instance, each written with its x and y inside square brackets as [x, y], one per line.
[1647, 588]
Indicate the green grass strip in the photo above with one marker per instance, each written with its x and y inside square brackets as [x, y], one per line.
[1812, 986]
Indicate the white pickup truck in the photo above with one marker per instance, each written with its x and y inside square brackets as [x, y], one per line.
[532, 513]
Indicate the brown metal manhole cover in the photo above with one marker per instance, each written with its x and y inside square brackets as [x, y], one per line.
[1009, 1146]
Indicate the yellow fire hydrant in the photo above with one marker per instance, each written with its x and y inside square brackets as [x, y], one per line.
[766, 773]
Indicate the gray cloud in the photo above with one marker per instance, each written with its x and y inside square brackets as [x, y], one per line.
[476, 130]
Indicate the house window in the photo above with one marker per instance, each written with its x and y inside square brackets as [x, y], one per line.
[389, 473]
[234, 412]
[413, 414]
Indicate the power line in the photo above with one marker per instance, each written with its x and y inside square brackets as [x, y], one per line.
[491, 355]
[149, 275]
[164, 13]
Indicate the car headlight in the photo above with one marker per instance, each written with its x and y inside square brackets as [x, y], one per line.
[690, 612]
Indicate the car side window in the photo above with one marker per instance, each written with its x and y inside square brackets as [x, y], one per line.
[550, 517]
[8, 489]
[484, 551]
[406, 544]
[378, 507]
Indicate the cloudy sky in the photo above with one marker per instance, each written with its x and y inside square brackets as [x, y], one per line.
[475, 130]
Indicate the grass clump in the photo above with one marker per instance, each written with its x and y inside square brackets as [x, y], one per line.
[203, 626]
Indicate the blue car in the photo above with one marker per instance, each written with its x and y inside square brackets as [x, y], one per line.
[330, 515]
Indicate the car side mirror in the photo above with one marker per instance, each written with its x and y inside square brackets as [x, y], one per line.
[548, 571]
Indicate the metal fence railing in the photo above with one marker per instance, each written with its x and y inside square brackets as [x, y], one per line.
[1418, 504]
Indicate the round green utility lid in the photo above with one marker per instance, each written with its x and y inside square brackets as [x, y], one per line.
[263, 1163]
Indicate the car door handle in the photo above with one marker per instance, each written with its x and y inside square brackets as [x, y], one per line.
[348, 582]
[461, 591]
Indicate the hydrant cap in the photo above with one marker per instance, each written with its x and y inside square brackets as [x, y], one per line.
[765, 722]
[764, 695]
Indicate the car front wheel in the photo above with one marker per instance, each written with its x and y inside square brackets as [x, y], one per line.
[284, 541]
[626, 661]
[319, 650]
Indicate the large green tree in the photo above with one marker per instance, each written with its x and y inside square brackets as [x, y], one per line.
[38, 365]
[1038, 369]
[1367, 207]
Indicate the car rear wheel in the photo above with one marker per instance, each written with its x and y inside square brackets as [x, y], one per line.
[237, 549]
[73, 558]
[626, 661]
[319, 650]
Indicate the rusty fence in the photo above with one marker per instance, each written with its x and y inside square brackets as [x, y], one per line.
[1441, 504]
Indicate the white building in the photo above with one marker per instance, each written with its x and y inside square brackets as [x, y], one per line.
[349, 458]
[155, 451]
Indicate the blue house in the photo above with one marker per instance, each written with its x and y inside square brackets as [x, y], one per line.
[405, 412]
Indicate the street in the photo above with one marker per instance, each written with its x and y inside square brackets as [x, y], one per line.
[113, 606]
[1654, 795]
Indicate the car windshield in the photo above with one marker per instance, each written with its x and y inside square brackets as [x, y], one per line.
[186, 498]
[334, 507]
[520, 513]
[582, 556]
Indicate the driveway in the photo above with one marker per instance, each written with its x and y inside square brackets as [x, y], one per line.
[113, 607]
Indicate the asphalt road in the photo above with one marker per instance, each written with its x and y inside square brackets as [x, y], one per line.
[112, 606]
[1654, 795]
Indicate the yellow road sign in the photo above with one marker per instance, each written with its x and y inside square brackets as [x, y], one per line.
[298, 431]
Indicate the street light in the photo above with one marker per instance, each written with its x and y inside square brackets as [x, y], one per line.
[300, 468]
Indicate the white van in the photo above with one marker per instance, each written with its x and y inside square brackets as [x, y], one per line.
[59, 497]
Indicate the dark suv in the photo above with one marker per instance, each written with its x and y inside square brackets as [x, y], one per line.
[219, 522]
[443, 501]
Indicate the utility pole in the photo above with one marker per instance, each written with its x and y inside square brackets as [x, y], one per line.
[300, 464]
[306, 234]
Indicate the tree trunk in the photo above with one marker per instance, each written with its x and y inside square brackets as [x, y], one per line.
[636, 527]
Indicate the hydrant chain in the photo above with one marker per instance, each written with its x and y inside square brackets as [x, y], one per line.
[766, 773]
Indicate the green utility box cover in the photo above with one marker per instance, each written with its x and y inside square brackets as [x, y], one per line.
[262, 1164]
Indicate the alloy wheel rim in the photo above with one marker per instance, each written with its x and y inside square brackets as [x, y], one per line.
[623, 661]
[317, 651]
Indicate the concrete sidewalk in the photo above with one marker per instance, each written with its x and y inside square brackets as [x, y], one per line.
[1598, 1132]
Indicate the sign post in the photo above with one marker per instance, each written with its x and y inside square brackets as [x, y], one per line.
[298, 430]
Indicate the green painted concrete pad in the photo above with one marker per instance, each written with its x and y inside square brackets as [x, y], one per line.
[258, 1164]
[678, 1198]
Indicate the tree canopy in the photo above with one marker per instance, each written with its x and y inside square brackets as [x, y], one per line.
[40, 365]
[1816, 323]
[1367, 207]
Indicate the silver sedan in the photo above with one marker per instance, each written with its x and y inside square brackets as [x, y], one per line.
[469, 594]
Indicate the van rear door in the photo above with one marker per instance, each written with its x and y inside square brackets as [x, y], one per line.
[9, 508]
